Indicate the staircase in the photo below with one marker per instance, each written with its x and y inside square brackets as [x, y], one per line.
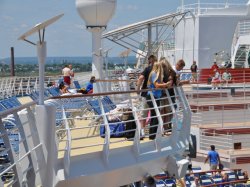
[241, 45]
[241, 56]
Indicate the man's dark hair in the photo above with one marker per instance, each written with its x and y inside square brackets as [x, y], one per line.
[212, 147]
[152, 57]
[92, 79]
[181, 63]
[61, 85]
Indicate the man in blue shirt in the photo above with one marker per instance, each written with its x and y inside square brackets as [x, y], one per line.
[213, 157]
[89, 87]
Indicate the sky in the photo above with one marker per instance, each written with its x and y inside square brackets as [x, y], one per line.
[68, 36]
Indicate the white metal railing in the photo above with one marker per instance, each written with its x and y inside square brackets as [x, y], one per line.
[11, 86]
[37, 153]
[220, 110]
[90, 131]
[20, 86]
[242, 29]
[202, 8]
[24, 153]
[222, 141]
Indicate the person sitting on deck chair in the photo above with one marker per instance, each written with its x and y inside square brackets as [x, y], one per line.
[216, 79]
[226, 77]
[63, 88]
[89, 87]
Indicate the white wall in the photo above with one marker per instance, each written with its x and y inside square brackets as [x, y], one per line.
[184, 40]
[244, 139]
[213, 33]
[216, 34]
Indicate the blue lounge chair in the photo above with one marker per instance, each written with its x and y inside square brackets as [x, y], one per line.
[189, 179]
[232, 176]
[117, 128]
[240, 175]
[217, 179]
[1, 108]
[11, 102]
[34, 96]
[169, 182]
[205, 180]
[54, 91]
[108, 103]
[77, 85]
[160, 183]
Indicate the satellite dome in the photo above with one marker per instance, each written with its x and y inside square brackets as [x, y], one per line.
[96, 12]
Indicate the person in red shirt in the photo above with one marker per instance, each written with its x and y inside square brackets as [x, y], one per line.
[214, 66]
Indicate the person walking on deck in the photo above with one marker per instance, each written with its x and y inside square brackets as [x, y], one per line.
[213, 157]
[66, 71]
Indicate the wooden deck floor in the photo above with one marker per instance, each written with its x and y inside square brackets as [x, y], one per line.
[80, 133]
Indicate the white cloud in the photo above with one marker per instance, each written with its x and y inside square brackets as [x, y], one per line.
[132, 7]
[16, 29]
[8, 18]
[80, 26]
[23, 25]
[129, 7]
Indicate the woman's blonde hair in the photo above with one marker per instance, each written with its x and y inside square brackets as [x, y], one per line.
[166, 65]
[157, 69]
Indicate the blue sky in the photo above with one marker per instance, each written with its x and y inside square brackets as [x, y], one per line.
[68, 36]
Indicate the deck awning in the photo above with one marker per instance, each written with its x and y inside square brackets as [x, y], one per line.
[131, 36]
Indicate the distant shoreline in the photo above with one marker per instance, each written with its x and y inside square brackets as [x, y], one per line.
[61, 60]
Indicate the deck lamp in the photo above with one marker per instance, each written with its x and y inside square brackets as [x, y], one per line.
[41, 50]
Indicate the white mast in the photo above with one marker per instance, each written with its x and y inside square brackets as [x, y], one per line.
[199, 6]
[182, 5]
[96, 15]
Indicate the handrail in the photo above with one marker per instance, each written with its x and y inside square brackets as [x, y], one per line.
[230, 182]
[105, 93]
[65, 125]
[13, 110]
[202, 8]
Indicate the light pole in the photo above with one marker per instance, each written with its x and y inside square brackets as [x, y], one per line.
[41, 50]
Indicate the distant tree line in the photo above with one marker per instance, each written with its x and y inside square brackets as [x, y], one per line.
[50, 69]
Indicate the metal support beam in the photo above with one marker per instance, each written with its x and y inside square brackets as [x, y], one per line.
[149, 39]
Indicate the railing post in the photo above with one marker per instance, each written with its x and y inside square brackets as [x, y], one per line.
[66, 160]
[46, 124]
[222, 120]
[137, 132]
[187, 115]
[159, 131]
[13, 159]
[107, 134]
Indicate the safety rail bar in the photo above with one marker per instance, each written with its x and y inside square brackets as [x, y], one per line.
[202, 8]
[222, 141]
[10, 86]
[242, 29]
